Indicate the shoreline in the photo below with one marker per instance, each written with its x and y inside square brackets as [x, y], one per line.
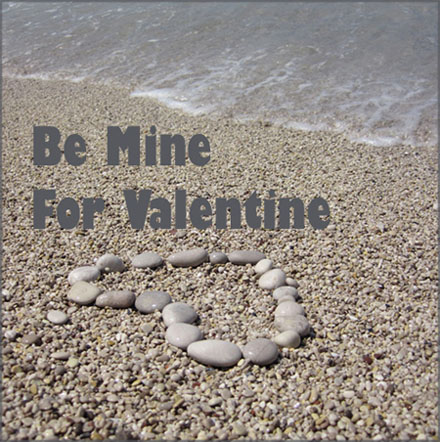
[368, 282]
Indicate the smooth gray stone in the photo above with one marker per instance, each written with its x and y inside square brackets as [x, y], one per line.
[215, 352]
[57, 317]
[292, 282]
[288, 338]
[289, 308]
[178, 312]
[85, 273]
[218, 258]
[285, 290]
[181, 334]
[31, 338]
[263, 266]
[188, 258]
[286, 298]
[261, 351]
[61, 355]
[84, 293]
[242, 257]
[298, 323]
[272, 279]
[147, 260]
[148, 302]
[110, 263]
[116, 299]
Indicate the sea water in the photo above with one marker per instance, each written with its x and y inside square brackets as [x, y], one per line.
[366, 69]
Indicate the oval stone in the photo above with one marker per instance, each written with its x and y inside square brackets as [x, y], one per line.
[147, 260]
[188, 258]
[272, 279]
[292, 282]
[181, 334]
[218, 258]
[148, 302]
[83, 293]
[242, 257]
[85, 273]
[178, 312]
[261, 351]
[57, 317]
[289, 308]
[215, 352]
[110, 263]
[298, 323]
[289, 339]
[116, 299]
[285, 290]
[263, 266]
[61, 355]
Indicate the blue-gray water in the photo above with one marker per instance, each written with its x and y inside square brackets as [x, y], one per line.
[369, 70]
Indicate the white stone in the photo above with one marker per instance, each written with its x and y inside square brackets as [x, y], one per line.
[178, 312]
[288, 338]
[298, 323]
[272, 279]
[147, 260]
[57, 317]
[292, 282]
[148, 302]
[85, 273]
[116, 299]
[110, 263]
[289, 308]
[181, 334]
[83, 293]
[218, 258]
[263, 266]
[242, 257]
[215, 352]
[285, 290]
[188, 258]
[261, 351]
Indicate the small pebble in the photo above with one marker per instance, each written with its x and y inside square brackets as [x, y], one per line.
[272, 279]
[289, 339]
[285, 290]
[31, 338]
[242, 257]
[181, 335]
[116, 299]
[215, 352]
[146, 328]
[239, 429]
[148, 302]
[110, 263]
[218, 258]
[298, 323]
[188, 258]
[263, 266]
[61, 355]
[86, 273]
[147, 260]
[72, 362]
[178, 312]
[11, 335]
[83, 293]
[292, 282]
[45, 404]
[289, 308]
[261, 351]
[57, 317]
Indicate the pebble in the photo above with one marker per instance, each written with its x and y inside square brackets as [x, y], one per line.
[31, 338]
[285, 298]
[239, 429]
[147, 328]
[86, 273]
[148, 302]
[178, 312]
[147, 260]
[215, 352]
[110, 263]
[272, 279]
[45, 404]
[261, 351]
[298, 323]
[285, 290]
[57, 317]
[61, 355]
[72, 362]
[289, 308]
[289, 339]
[188, 258]
[116, 299]
[181, 335]
[218, 258]
[242, 257]
[292, 282]
[11, 335]
[84, 293]
[263, 266]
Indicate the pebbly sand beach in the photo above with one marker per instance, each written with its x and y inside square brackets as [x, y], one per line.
[368, 283]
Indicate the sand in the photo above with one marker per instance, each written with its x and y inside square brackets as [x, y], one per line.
[368, 283]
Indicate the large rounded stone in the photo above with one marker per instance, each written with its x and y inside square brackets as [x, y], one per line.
[261, 351]
[178, 312]
[147, 260]
[188, 258]
[272, 279]
[181, 334]
[85, 273]
[288, 338]
[242, 257]
[116, 299]
[263, 266]
[83, 293]
[280, 292]
[298, 323]
[218, 258]
[215, 352]
[289, 308]
[292, 282]
[148, 302]
[110, 263]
